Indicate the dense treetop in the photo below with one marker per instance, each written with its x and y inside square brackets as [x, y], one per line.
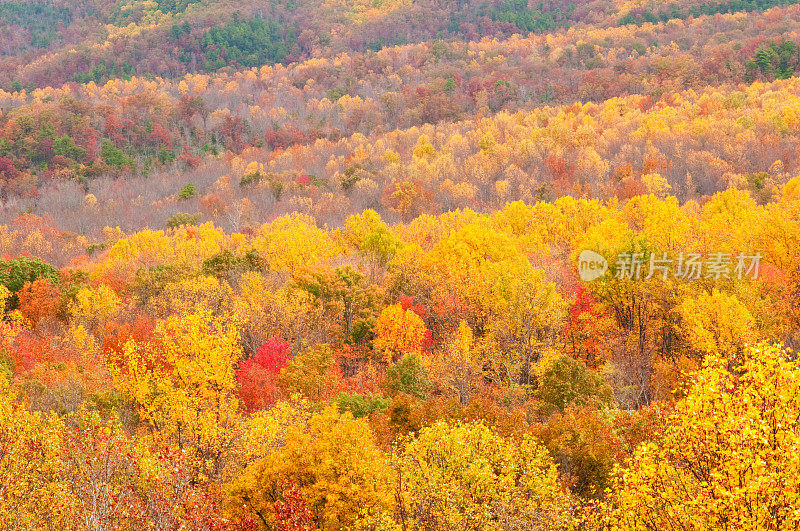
[399, 264]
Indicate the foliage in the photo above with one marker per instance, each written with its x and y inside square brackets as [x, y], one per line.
[654, 13]
[361, 405]
[538, 19]
[258, 376]
[567, 381]
[311, 373]
[465, 477]
[183, 385]
[112, 155]
[182, 219]
[779, 60]
[15, 273]
[408, 375]
[39, 19]
[39, 300]
[384, 320]
[334, 463]
[249, 43]
[460, 366]
[730, 429]
[584, 446]
[399, 331]
[174, 6]
[717, 324]
[30, 465]
[187, 192]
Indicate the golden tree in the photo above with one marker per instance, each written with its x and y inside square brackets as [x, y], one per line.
[183, 384]
[467, 477]
[399, 332]
[334, 461]
[717, 324]
[460, 366]
[30, 466]
[729, 459]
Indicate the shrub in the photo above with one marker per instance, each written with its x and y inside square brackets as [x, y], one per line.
[187, 192]
[181, 219]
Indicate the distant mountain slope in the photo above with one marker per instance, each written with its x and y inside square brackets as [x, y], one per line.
[49, 42]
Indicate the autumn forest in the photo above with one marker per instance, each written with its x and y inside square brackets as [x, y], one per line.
[394, 265]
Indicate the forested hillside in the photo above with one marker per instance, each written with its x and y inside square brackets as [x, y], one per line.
[399, 264]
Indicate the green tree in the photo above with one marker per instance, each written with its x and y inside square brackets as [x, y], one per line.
[408, 376]
[16, 272]
[112, 155]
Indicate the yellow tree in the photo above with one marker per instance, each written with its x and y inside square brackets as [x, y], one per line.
[398, 332]
[10, 322]
[183, 385]
[467, 477]
[778, 239]
[729, 459]
[715, 323]
[463, 271]
[460, 366]
[312, 374]
[265, 306]
[480, 274]
[333, 459]
[93, 307]
[529, 315]
[641, 307]
[182, 296]
[371, 236]
[30, 466]
[728, 222]
[291, 242]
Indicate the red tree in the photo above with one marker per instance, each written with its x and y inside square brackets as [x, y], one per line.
[257, 377]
